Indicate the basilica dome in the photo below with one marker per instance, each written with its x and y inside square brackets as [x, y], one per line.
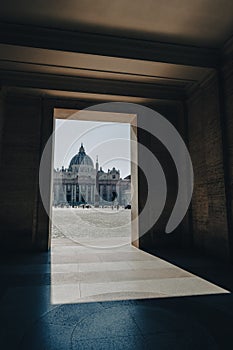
[81, 159]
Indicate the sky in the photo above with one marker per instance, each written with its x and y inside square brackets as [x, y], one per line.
[109, 141]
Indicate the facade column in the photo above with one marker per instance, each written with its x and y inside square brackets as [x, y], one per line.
[74, 192]
[101, 193]
[92, 194]
[108, 193]
[57, 192]
[86, 199]
[64, 192]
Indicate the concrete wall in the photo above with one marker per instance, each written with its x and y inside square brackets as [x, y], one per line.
[209, 211]
[26, 123]
[227, 102]
[20, 150]
[156, 238]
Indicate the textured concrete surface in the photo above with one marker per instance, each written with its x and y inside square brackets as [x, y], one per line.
[209, 211]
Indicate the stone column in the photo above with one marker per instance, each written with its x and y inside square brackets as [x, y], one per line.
[58, 191]
[64, 192]
[109, 193]
[92, 194]
[100, 190]
[74, 192]
[55, 191]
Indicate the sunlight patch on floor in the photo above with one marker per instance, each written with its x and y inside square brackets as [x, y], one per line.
[84, 274]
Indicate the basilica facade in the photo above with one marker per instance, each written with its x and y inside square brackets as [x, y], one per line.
[84, 183]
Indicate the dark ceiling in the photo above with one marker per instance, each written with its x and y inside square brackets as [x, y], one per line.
[137, 50]
[206, 23]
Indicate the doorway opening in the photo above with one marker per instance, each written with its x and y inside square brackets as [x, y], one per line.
[92, 181]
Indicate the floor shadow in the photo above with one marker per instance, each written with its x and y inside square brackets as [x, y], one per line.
[209, 268]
